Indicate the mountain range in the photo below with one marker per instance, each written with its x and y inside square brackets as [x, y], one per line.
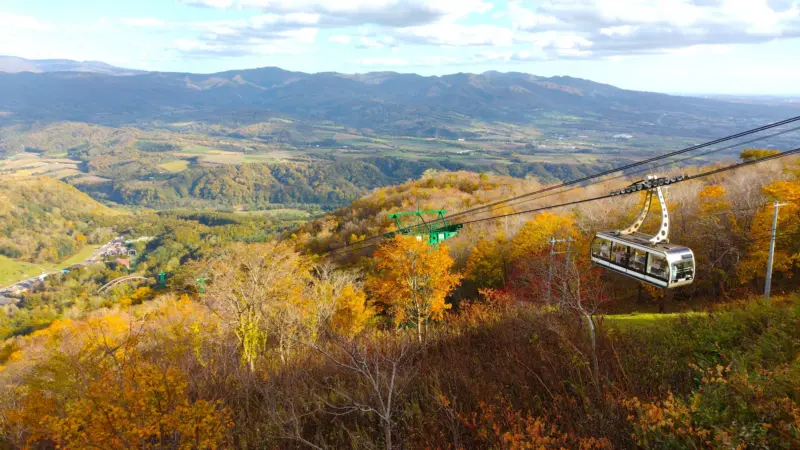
[15, 64]
[386, 102]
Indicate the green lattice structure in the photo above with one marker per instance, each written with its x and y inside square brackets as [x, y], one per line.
[435, 230]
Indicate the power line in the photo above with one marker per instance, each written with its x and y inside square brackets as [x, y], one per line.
[602, 197]
[608, 172]
[646, 169]
[632, 165]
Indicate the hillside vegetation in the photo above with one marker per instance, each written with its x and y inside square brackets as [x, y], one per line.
[259, 342]
[46, 220]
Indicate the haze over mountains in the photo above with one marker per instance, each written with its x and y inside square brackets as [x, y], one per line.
[382, 101]
[14, 64]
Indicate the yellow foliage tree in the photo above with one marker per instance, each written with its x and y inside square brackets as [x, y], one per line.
[412, 280]
[488, 263]
[713, 200]
[535, 234]
[259, 293]
[787, 249]
[752, 154]
[352, 311]
[93, 385]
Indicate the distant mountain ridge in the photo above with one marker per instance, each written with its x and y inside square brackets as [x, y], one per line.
[386, 102]
[15, 64]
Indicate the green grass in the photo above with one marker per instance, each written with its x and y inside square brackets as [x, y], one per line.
[179, 165]
[645, 319]
[13, 270]
[197, 149]
[84, 253]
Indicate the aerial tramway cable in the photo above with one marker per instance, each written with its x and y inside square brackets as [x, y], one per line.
[645, 169]
[356, 245]
[631, 165]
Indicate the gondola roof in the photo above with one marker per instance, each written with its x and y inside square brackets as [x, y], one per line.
[644, 241]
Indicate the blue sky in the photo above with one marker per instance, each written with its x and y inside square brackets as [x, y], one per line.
[676, 46]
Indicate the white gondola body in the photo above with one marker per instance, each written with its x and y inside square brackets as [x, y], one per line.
[663, 265]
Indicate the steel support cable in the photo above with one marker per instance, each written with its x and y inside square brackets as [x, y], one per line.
[646, 169]
[602, 197]
[631, 165]
[607, 172]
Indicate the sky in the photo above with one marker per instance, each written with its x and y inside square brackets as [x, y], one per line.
[740, 47]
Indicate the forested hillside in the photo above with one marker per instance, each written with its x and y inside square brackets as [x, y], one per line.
[46, 220]
[256, 341]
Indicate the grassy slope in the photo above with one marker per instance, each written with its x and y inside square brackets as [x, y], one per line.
[36, 210]
[14, 270]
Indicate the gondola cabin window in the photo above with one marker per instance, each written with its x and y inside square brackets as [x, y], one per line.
[638, 260]
[619, 254]
[657, 266]
[601, 248]
[683, 269]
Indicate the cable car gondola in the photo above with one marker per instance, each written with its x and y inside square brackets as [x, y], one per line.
[651, 259]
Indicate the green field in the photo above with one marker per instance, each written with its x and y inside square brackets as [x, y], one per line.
[644, 319]
[179, 165]
[12, 270]
[197, 149]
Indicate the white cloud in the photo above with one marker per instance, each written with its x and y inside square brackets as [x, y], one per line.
[439, 61]
[393, 13]
[702, 50]
[10, 21]
[606, 28]
[371, 42]
[621, 30]
[381, 62]
[339, 39]
[141, 22]
[454, 35]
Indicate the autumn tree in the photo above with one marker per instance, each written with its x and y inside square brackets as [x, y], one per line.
[111, 382]
[712, 236]
[382, 366]
[787, 249]
[259, 292]
[412, 280]
[340, 304]
[488, 264]
[752, 154]
[536, 233]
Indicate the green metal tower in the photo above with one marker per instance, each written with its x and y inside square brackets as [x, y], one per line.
[435, 230]
[201, 284]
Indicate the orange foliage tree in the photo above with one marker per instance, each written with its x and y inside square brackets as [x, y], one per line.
[96, 384]
[787, 249]
[412, 280]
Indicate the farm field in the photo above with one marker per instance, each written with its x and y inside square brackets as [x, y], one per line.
[179, 165]
[34, 164]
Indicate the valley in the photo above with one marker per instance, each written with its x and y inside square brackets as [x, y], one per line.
[250, 259]
[271, 138]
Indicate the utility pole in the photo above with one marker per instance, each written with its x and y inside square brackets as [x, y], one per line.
[553, 252]
[566, 274]
[768, 283]
[550, 268]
